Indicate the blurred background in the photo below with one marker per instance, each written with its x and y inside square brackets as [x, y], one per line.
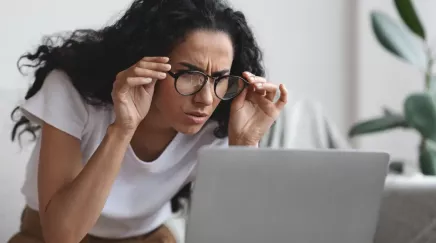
[324, 51]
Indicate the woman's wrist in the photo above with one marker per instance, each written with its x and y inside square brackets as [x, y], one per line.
[120, 133]
[243, 142]
[243, 145]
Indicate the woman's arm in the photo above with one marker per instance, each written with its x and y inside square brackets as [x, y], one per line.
[71, 195]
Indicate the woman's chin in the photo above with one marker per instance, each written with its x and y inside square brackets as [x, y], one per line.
[188, 129]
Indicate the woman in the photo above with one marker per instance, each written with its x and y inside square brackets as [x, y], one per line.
[123, 110]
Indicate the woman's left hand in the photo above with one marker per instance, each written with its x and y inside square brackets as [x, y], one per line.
[253, 112]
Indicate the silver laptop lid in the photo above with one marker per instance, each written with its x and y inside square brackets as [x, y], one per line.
[245, 195]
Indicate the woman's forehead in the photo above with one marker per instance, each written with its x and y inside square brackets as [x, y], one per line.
[205, 49]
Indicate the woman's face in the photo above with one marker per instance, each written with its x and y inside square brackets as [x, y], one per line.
[206, 51]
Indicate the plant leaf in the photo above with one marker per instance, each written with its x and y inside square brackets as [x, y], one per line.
[397, 40]
[427, 158]
[388, 112]
[433, 85]
[378, 124]
[420, 113]
[407, 12]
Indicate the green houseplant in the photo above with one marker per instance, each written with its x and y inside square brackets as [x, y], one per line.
[419, 110]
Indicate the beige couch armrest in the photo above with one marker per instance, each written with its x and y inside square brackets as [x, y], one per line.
[408, 210]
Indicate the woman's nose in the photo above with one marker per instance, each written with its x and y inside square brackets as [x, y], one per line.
[205, 95]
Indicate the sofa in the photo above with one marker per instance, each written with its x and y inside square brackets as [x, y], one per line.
[408, 210]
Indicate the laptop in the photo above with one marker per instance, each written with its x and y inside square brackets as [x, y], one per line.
[250, 195]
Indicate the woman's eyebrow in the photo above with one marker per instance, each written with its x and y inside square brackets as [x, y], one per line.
[195, 68]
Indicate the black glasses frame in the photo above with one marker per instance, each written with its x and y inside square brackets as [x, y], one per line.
[206, 79]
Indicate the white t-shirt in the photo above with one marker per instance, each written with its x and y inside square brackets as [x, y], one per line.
[140, 197]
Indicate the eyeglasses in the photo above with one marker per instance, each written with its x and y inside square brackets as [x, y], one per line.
[190, 82]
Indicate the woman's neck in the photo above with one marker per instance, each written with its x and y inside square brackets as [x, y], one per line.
[152, 136]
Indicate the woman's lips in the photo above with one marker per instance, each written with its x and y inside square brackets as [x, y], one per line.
[196, 118]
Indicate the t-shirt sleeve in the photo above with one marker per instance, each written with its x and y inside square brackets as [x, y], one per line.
[59, 104]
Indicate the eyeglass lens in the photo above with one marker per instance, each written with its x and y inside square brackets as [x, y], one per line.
[226, 87]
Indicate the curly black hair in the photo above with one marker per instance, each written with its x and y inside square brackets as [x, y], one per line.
[92, 58]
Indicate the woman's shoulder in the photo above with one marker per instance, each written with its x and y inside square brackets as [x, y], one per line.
[59, 83]
[58, 86]
[60, 104]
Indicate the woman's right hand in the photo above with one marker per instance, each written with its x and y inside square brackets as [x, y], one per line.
[133, 90]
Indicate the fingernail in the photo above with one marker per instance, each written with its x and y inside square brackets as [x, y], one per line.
[168, 67]
[162, 75]
[259, 85]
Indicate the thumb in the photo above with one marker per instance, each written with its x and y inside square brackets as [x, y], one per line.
[151, 85]
[239, 100]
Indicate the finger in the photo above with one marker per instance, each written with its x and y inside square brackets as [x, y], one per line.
[164, 67]
[136, 81]
[267, 89]
[253, 78]
[281, 102]
[256, 88]
[260, 92]
[147, 73]
[271, 95]
[124, 86]
[156, 59]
